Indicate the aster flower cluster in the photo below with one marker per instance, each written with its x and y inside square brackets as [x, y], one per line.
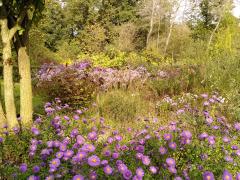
[67, 144]
[105, 78]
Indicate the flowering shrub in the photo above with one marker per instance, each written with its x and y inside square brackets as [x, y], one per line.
[199, 144]
[104, 78]
[72, 83]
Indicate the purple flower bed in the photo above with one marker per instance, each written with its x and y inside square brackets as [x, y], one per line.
[69, 145]
[105, 77]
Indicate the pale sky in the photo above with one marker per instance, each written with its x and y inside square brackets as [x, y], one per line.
[185, 3]
[236, 10]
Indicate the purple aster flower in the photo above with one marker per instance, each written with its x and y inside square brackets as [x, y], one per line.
[203, 136]
[203, 156]
[228, 159]
[127, 174]
[140, 148]
[206, 103]
[76, 117]
[118, 137]
[92, 136]
[80, 140]
[238, 176]
[34, 141]
[186, 137]
[141, 141]
[162, 150]
[49, 144]
[115, 155]
[238, 152]
[178, 178]
[56, 143]
[59, 154]
[121, 167]
[207, 175]
[107, 170]
[139, 172]
[170, 162]
[226, 139]
[1, 139]
[172, 169]
[66, 118]
[51, 177]
[146, 160]
[153, 169]
[63, 147]
[32, 177]
[79, 111]
[167, 137]
[119, 162]
[55, 163]
[137, 178]
[35, 131]
[16, 130]
[107, 153]
[74, 132]
[92, 175]
[78, 177]
[81, 155]
[52, 169]
[139, 156]
[226, 175]
[110, 140]
[66, 140]
[94, 161]
[88, 148]
[33, 148]
[104, 162]
[211, 140]
[68, 154]
[23, 167]
[204, 95]
[36, 169]
[234, 147]
[172, 145]
[237, 126]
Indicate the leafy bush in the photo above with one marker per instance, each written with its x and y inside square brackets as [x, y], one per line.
[68, 83]
[177, 80]
[120, 105]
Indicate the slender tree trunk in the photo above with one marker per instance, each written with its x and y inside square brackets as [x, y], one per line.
[168, 38]
[213, 32]
[26, 108]
[151, 23]
[8, 75]
[158, 36]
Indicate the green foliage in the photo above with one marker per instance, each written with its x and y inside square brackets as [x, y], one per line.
[121, 105]
[178, 80]
[72, 89]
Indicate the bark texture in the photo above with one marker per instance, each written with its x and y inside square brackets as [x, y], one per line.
[8, 75]
[26, 107]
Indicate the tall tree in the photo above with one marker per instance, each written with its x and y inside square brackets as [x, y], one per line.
[16, 20]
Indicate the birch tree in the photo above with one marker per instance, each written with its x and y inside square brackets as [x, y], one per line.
[16, 21]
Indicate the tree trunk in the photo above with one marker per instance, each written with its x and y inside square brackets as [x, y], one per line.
[158, 36]
[168, 38]
[213, 32]
[26, 107]
[2, 117]
[151, 23]
[8, 75]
